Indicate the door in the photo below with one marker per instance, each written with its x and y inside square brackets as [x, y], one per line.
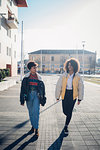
[8, 66]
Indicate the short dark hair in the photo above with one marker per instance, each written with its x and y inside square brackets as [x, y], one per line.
[74, 63]
[31, 64]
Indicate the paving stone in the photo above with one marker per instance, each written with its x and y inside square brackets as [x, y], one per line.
[93, 147]
[84, 128]
[98, 141]
[89, 142]
[85, 133]
[81, 147]
[76, 138]
[90, 137]
[96, 137]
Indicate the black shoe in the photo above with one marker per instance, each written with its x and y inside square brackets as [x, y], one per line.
[37, 132]
[66, 130]
[31, 131]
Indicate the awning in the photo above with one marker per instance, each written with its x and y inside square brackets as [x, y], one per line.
[21, 3]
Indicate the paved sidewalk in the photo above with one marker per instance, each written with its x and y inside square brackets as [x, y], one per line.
[84, 129]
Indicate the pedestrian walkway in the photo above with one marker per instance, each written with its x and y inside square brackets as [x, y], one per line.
[84, 129]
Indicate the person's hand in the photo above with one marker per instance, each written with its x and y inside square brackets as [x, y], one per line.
[22, 104]
[79, 101]
[57, 99]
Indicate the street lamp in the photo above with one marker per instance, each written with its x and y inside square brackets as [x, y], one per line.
[22, 54]
[83, 45]
[41, 60]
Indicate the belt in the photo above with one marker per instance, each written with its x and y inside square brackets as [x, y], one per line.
[33, 89]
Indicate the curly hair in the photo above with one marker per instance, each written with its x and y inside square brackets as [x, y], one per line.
[74, 63]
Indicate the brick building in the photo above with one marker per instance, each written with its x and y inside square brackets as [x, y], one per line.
[53, 60]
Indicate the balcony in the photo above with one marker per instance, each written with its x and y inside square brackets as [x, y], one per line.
[12, 22]
[21, 3]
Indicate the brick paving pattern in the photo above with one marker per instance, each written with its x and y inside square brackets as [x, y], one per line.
[84, 129]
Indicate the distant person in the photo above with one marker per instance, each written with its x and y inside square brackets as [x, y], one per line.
[70, 88]
[29, 92]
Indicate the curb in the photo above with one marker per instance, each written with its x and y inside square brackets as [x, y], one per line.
[6, 84]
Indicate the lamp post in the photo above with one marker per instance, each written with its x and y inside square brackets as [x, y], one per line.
[22, 53]
[83, 45]
[41, 60]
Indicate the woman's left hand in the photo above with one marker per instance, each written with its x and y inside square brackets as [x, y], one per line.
[78, 102]
[57, 100]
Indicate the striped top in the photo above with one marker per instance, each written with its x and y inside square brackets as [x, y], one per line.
[33, 81]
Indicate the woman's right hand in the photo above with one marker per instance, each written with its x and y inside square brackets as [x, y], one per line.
[57, 99]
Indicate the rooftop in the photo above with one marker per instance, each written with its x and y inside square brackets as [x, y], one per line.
[70, 51]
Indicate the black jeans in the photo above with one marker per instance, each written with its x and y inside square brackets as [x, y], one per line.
[68, 118]
[68, 105]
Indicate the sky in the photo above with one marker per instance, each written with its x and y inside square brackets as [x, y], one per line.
[60, 24]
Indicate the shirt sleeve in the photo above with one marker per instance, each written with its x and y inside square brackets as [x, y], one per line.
[80, 89]
[58, 88]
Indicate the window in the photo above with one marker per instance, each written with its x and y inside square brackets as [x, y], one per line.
[52, 68]
[7, 51]
[43, 58]
[15, 38]
[52, 58]
[62, 59]
[10, 2]
[0, 47]
[33, 58]
[0, 22]
[0, 2]
[43, 66]
[14, 54]
[9, 33]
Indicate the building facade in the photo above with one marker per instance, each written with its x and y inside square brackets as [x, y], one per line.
[9, 34]
[25, 66]
[53, 60]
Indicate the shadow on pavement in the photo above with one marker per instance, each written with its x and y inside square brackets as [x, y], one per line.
[57, 144]
[32, 139]
[50, 106]
[21, 124]
[12, 145]
[4, 138]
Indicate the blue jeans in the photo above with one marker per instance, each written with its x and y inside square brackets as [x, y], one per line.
[33, 106]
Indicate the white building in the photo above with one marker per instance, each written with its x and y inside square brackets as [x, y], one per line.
[9, 33]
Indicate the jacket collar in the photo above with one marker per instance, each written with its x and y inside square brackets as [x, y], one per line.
[28, 74]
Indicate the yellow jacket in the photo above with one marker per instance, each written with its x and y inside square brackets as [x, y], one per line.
[78, 87]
